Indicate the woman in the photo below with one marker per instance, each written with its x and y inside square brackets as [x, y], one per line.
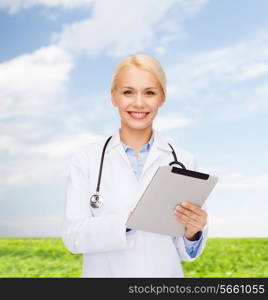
[132, 156]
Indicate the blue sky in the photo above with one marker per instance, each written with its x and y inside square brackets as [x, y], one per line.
[56, 62]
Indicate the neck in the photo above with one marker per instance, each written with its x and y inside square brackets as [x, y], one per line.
[135, 138]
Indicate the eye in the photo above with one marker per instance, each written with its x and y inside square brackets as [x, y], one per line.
[151, 93]
[127, 92]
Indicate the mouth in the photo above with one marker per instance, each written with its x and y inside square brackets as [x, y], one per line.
[138, 115]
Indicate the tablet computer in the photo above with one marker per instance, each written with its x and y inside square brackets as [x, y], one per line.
[169, 187]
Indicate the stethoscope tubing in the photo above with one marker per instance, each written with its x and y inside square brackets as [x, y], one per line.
[101, 165]
[95, 199]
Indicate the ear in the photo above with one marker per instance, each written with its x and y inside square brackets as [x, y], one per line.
[162, 101]
[113, 99]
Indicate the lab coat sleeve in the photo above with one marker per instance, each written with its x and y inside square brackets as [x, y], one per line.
[179, 241]
[181, 247]
[83, 232]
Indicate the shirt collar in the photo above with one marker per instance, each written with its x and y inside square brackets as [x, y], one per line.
[146, 147]
[159, 141]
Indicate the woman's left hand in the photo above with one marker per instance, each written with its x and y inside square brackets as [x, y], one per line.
[192, 217]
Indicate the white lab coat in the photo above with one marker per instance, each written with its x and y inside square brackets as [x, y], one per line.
[100, 233]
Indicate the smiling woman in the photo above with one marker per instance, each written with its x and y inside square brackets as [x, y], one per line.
[132, 155]
[138, 90]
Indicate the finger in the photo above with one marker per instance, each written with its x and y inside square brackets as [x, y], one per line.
[201, 220]
[193, 220]
[188, 225]
[193, 207]
[188, 213]
[181, 221]
[193, 217]
[187, 221]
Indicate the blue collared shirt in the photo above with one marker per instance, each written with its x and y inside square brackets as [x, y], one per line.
[137, 164]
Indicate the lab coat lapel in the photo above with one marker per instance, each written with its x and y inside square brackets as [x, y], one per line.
[159, 145]
[115, 144]
[153, 155]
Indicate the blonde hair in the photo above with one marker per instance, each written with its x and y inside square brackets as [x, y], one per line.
[144, 62]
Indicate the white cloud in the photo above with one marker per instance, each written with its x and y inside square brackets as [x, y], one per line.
[242, 181]
[32, 82]
[42, 162]
[160, 50]
[38, 226]
[122, 27]
[254, 70]
[238, 206]
[31, 87]
[258, 99]
[64, 145]
[216, 76]
[31, 171]
[246, 225]
[59, 147]
[22, 129]
[14, 6]
[171, 121]
[237, 180]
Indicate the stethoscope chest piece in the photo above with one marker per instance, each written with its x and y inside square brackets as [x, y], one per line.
[96, 201]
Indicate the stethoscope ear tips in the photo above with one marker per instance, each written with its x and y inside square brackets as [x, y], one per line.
[96, 201]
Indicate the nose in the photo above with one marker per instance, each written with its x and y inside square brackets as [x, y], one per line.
[139, 100]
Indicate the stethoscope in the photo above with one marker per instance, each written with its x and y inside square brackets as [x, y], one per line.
[96, 200]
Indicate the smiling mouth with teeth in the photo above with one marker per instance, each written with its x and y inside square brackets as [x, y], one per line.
[138, 115]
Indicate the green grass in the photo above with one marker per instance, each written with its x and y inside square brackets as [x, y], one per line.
[47, 257]
[231, 257]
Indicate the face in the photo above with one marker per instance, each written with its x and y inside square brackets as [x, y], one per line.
[137, 96]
